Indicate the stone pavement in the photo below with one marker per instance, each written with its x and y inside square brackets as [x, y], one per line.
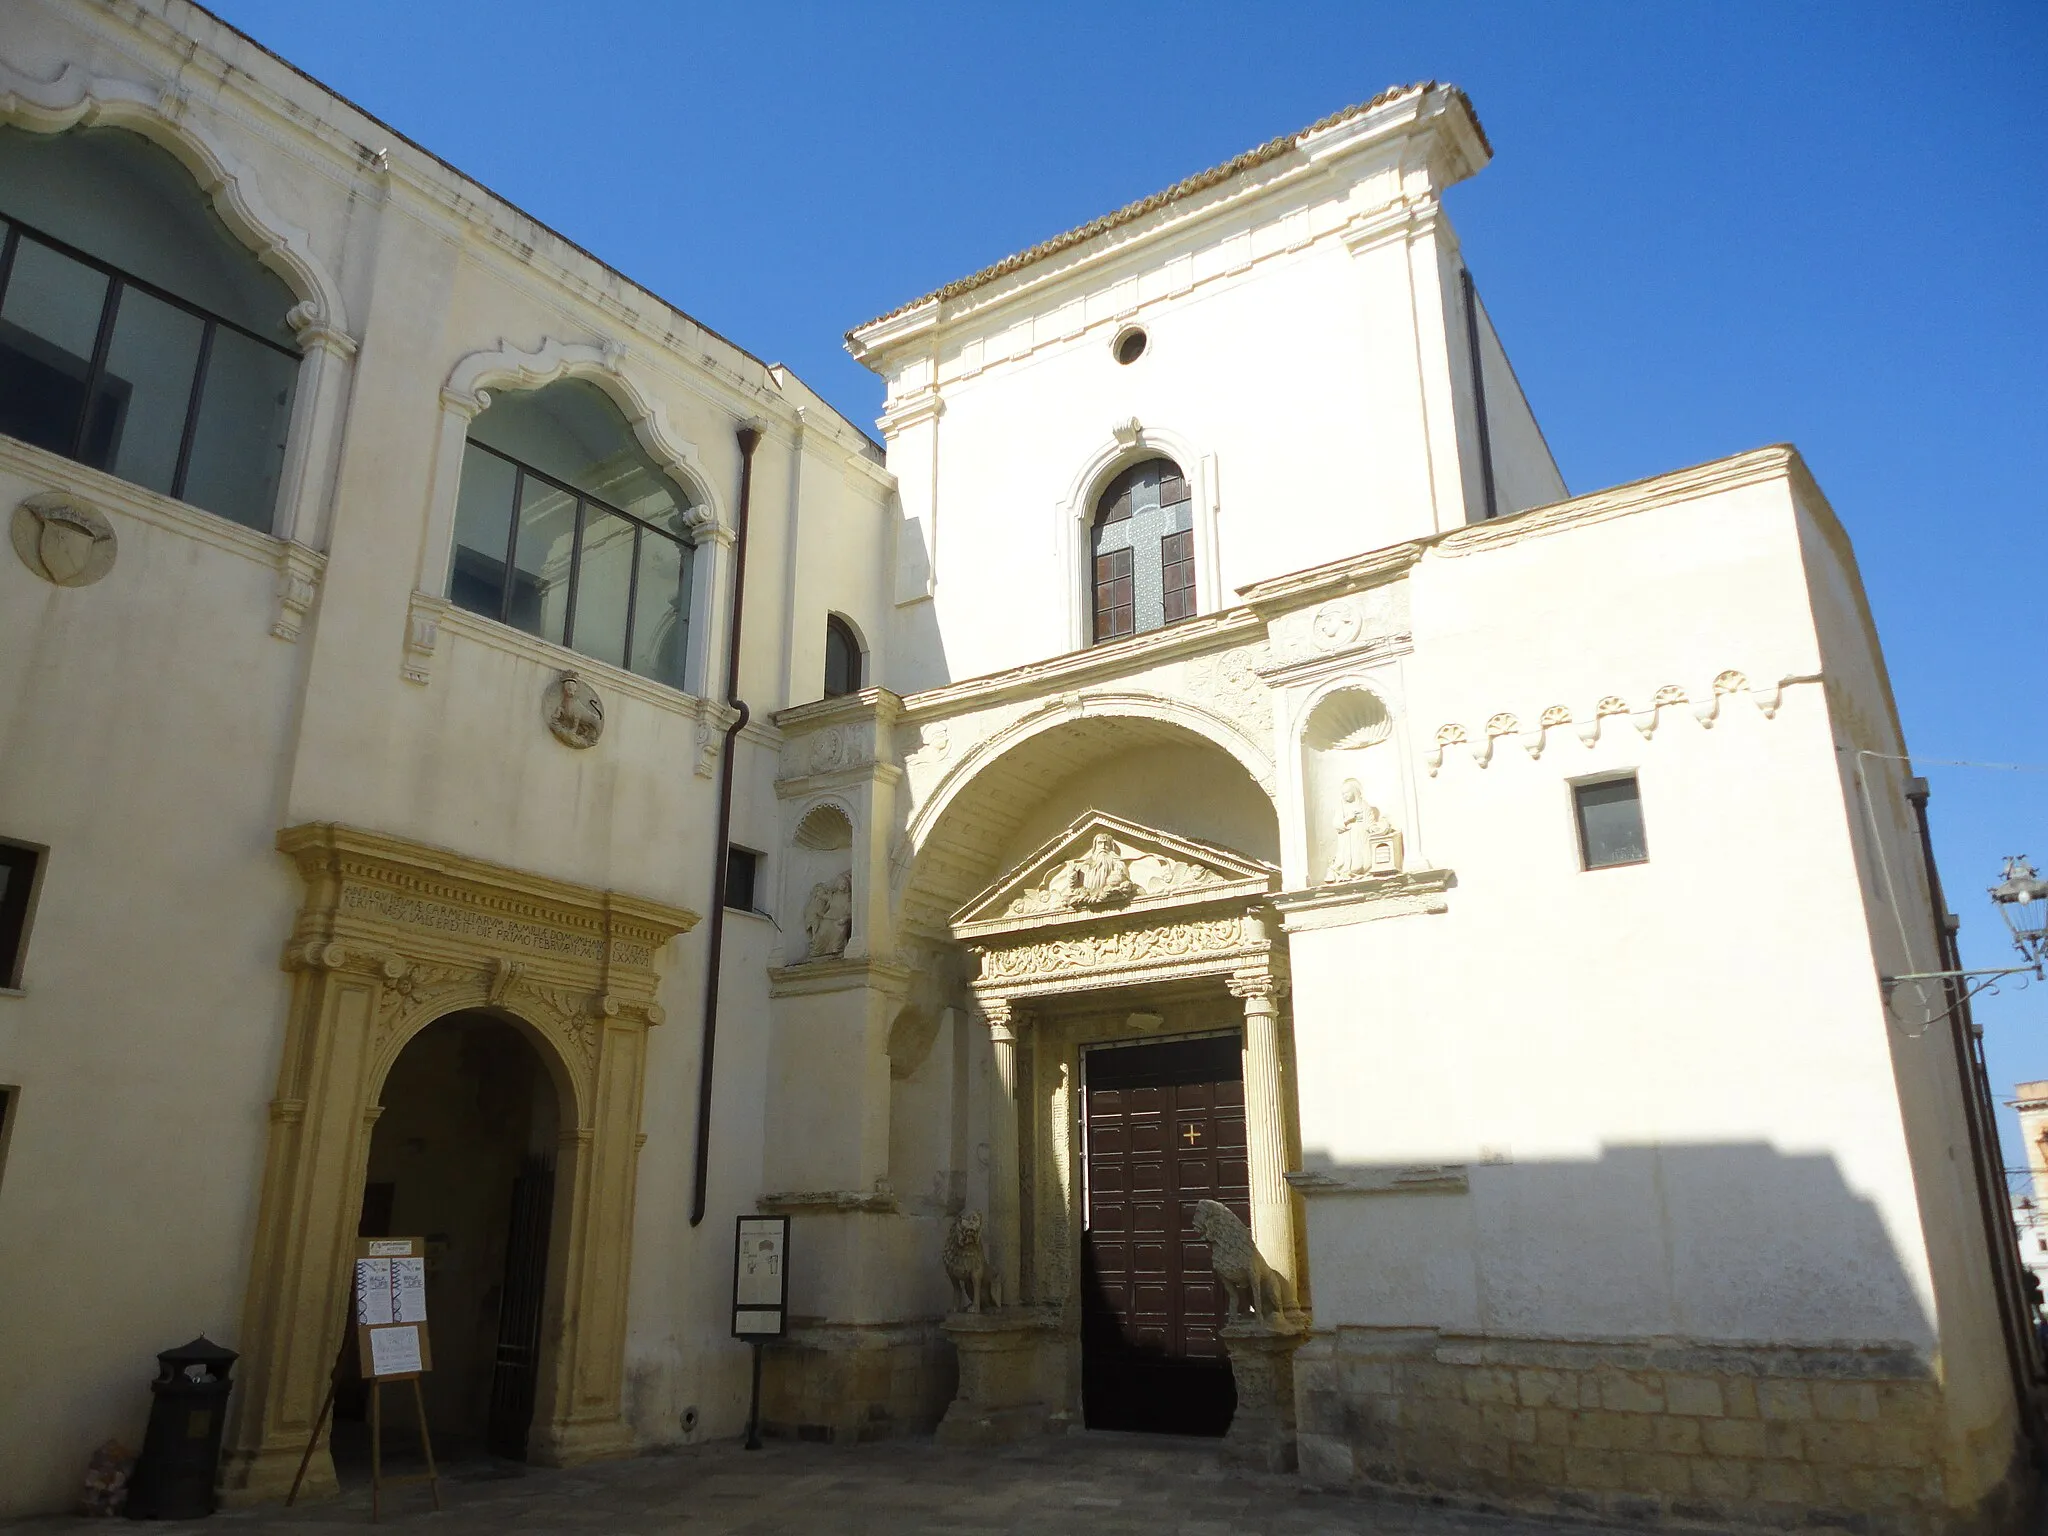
[1099, 1484]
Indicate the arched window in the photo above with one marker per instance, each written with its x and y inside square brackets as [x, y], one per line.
[136, 334]
[1144, 547]
[842, 658]
[566, 528]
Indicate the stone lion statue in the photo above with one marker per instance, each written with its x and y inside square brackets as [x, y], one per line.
[968, 1265]
[1249, 1282]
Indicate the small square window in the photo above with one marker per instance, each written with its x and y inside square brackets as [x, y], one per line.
[1610, 813]
[21, 867]
[742, 873]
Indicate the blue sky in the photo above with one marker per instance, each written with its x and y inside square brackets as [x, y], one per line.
[1707, 227]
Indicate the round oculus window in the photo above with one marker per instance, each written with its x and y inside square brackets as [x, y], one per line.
[1129, 345]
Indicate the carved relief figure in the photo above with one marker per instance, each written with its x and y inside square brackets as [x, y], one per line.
[828, 916]
[1366, 842]
[1101, 877]
[574, 712]
[1250, 1284]
[968, 1266]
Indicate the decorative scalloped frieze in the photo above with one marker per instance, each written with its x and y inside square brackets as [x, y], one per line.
[1705, 707]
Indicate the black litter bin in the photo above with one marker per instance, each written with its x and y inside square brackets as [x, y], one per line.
[181, 1448]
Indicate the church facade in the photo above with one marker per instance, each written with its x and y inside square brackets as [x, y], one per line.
[485, 758]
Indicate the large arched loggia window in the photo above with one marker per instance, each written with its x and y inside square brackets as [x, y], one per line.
[567, 528]
[136, 334]
[842, 658]
[1144, 548]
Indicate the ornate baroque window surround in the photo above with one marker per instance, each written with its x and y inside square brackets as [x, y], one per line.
[77, 98]
[464, 396]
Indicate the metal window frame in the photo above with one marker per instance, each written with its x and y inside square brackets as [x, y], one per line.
[1594, 781]
[583, 500]
[1119, 488]
[119, 281]
[838, 628]
[18, 913]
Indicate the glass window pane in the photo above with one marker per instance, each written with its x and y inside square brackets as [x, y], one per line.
[139, 408]
[604, 585]
[245, 410]
[1611, 823]
[661, 610]
[540, 574]
[48, 322]
[483, 533]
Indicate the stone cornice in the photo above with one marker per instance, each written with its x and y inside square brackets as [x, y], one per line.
[1281, 165]
[1116, 659]
[1283, 594]
[808, 977]
[1420, 1180]
[870, 704]
[433, 887]
[1418, 891]
[1759, 466]
[263, 95]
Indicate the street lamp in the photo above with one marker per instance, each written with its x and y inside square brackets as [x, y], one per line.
[2022, 898]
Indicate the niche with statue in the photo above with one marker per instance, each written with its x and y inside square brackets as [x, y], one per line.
[1351, 782]
[821, 871]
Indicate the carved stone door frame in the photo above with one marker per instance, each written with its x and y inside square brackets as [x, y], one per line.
[392, 935]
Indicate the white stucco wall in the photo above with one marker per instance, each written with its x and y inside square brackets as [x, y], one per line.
[1669, 1081]
[1299, 361]
[155, 735]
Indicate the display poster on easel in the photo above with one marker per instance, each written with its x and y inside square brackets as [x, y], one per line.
[391, 1308]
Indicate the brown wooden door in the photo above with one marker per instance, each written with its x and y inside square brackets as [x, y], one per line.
[1165, 1128]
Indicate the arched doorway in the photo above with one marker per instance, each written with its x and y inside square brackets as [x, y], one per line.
[463, 1155]
[393, 939]
[1107, 869]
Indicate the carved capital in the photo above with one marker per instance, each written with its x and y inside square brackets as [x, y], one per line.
[1006, 1022]
[1257, 985]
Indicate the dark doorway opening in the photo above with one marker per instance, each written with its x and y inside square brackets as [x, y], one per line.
[1165, 1128]
[463, 1156]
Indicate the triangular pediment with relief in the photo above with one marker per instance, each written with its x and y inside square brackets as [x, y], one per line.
[1103, 866]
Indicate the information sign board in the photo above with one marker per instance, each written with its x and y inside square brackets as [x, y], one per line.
[760, 1277]
[391, 1308]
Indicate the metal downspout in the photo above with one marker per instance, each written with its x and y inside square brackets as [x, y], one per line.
[1988, 1162]
[721, 844]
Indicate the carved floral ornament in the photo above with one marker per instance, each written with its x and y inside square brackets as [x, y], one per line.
[1222, 942]
[1645, 718]
[434, 932]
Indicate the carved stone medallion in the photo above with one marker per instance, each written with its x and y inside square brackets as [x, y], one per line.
[63, 540]
[573, 711]
[828, 751]
[1337, 623]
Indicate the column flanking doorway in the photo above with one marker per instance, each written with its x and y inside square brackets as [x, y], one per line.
[1165, 1127]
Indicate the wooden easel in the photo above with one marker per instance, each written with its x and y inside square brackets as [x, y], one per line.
[358, 1317]
[378, 1481]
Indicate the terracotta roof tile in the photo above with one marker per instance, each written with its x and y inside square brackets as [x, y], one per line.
[1272, 149]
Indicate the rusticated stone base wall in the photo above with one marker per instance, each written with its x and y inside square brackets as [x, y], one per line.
[845, 1384]
[1841, 1438]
